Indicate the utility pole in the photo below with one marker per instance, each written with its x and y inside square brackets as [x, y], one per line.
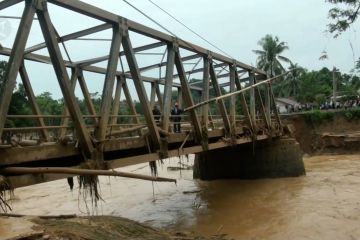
[334, 85]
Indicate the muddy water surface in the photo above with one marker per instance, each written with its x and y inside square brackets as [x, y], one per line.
[324, 204]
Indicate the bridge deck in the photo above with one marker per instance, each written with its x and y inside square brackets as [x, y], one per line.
[118, 152]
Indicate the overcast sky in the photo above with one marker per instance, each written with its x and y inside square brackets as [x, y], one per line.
[235, 26]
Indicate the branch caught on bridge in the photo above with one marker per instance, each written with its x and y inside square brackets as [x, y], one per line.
[237, 92]
[73, 171]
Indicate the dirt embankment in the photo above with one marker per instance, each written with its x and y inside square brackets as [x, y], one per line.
[86, 228]
[327, 132]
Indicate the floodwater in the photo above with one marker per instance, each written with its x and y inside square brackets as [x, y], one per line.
[324, 204]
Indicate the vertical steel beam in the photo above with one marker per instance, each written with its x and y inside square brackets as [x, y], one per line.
[262, 107]
[232, 98]
[108, 88]
[87, 97]
[168, 87]
[252, 97]
[65, 120]
[116, 103]
[152, 95]
[139, 85]
[15, 60]
[205, 93]
[221, 104]
[32, 99]
[63, 78]
[187, 95]
[244, 105]
[159, 97]
[130, 102]
[212, 124]
[277, 116]
[268, 103]
[180, 96]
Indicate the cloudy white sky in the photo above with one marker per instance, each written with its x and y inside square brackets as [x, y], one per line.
[233, 25]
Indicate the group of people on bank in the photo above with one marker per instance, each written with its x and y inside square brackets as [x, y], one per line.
[175, 117]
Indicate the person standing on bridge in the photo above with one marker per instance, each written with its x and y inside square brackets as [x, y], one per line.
[176, 118]
[157, 114]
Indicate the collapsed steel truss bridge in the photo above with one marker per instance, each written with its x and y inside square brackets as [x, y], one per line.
[101, 136]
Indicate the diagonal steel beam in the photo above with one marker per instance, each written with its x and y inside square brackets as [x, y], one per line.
[130, 102]
[116, 102]
[32, 99]
[186, 94]
[168, 87]
[44, 59]
[65, 120]
[221, 103]
[106, 57]
[162, 64]
[87, 10]
[15, 60]
[87, 97]
[242, 80]
[63, 78]
[139, 85]
[108, 88]
[71, 36]
[205, 93]
[202, 69]
[273, 103]
[252, 105]
[261, 105]
[152, 94]
[159, 96]
[232, 98]
[243, 103]
[106, 16]
[8, 3]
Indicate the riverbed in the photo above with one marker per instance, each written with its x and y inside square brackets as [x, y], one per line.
[324, 204]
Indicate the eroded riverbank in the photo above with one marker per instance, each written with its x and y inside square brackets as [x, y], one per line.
[324, 204]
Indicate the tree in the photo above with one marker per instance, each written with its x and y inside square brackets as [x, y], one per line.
[50, 106]
[19, 105]
[289, 87]
[343, 16]
[269, 58]
[313, 87]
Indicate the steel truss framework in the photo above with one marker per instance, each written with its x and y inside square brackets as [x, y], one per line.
[93, 141]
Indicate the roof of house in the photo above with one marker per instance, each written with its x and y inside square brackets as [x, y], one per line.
[287, 101]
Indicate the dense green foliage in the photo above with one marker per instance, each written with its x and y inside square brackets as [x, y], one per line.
[352, 114]
[344, 14]
[300, 84]
[317, 86]
[317, 116]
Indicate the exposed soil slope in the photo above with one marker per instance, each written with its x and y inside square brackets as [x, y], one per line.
[336, 134]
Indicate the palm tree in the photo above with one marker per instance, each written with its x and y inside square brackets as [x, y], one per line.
[292, 80]
[269, 57]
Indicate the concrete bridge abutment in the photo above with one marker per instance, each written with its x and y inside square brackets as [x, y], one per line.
[272, 158]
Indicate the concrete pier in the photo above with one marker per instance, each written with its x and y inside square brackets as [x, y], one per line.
[263, 159]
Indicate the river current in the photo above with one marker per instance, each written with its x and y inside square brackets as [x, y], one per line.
[324, 204]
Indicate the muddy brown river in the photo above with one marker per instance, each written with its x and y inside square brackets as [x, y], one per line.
[324, 204]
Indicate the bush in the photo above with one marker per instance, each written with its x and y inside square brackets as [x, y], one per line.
[352, 114]
[317, 116]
